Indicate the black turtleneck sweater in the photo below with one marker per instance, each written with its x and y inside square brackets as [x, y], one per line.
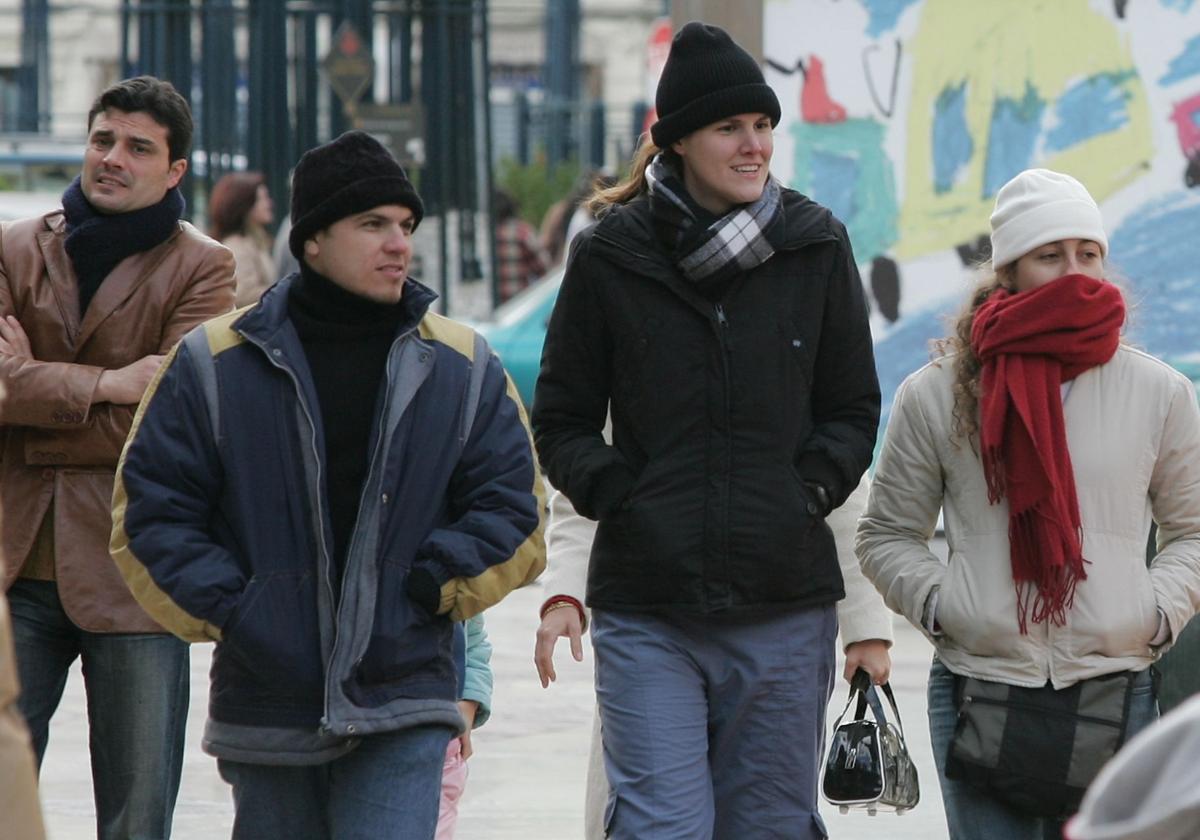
[346, 339]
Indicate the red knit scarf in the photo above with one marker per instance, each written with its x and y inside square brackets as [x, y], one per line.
[1029, 343]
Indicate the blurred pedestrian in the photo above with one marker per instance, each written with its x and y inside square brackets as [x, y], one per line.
[323, 484]
[584, 217]
[91, 298]
[285, 261]
[239, 211]
[519, 256]
[862, 616]
[570, 214]
[722, 318]
[1049, 445]
[1151, 790]
[18, 791]
[473, 652]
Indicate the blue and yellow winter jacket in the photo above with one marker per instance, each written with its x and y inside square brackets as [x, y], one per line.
[221, 527]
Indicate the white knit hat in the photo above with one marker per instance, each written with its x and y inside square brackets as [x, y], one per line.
[1040, 206]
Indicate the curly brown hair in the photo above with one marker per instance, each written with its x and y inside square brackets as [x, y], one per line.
[967, 366]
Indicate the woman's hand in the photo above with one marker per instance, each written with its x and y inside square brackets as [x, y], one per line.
[556, 623]
[872, 656]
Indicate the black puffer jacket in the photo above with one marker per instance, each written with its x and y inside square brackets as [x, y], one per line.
[722, 413]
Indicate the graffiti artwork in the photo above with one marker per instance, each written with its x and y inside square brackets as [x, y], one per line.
[906, 116]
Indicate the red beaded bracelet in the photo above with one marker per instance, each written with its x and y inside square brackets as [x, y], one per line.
[555, 602]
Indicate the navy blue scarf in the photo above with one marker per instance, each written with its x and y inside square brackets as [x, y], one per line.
[96, 242]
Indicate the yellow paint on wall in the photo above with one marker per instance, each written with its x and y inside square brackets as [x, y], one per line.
[997, 48]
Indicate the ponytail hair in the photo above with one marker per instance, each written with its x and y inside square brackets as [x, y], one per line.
[633, 185]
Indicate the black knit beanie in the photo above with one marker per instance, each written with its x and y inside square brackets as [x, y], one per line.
[346, 176]
[707, 77]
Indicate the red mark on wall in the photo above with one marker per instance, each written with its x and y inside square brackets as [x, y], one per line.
[1186, 117]
[816, 106]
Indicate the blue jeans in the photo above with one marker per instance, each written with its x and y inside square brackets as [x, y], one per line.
[971, 813]
[713, 727]
[387, 788]
[137, 697]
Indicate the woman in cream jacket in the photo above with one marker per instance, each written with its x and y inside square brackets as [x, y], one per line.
[1049, 446]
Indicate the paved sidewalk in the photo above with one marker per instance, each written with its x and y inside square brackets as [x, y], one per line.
[527, 776]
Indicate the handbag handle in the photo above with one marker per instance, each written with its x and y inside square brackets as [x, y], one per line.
[860, 683]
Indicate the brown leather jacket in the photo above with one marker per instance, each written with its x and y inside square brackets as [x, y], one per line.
[56, 446]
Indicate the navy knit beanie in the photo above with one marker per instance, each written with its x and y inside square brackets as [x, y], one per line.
[348, 175]
[707, 78]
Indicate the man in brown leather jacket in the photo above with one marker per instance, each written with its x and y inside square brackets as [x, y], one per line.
[91, 297]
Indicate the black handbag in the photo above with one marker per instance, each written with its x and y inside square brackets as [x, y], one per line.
[1037, 749]
[868, 765]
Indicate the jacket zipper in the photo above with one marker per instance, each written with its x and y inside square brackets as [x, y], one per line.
[356, 537]
[1029, 707]
[727, 467]
[312, 426]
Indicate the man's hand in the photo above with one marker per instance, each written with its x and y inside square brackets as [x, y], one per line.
[872, 656]
[125, 386]
[467, 708]
[556, 623]
[13, 340]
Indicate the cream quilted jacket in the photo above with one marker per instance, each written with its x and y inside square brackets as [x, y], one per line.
[1134, 433]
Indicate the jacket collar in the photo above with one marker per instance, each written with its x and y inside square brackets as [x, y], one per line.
[121, 282]
[263, 321]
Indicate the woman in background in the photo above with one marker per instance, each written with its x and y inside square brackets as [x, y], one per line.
[475, 704]
[239, 211]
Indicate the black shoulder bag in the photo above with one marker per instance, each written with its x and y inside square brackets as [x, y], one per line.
[1038, 749]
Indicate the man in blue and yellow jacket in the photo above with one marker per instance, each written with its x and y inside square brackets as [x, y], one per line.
[322, 484]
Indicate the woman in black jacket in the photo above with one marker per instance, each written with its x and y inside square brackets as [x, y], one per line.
[721, 319]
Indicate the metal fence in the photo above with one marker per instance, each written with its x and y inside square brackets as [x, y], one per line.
[252, 71]
[524, 125]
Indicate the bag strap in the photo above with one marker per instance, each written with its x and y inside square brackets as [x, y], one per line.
[860, 684]
[887, 692]
[858, 687]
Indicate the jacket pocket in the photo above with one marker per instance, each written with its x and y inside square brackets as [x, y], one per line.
[1115, 613]
[406, 640]
[796, 355]
[811, 505]
[632, 362]
[273, 631]
[977, 607]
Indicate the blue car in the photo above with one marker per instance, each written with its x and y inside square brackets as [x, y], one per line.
[518, 330]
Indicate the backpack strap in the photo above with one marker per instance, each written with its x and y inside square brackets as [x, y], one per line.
[205, 367]
[479, 362]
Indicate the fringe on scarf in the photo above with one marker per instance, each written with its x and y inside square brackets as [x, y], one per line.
[1054, 581]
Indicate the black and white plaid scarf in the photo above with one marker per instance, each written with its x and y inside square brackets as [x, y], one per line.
[735, 243]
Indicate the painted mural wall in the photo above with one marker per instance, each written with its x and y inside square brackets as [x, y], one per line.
[906, 116]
